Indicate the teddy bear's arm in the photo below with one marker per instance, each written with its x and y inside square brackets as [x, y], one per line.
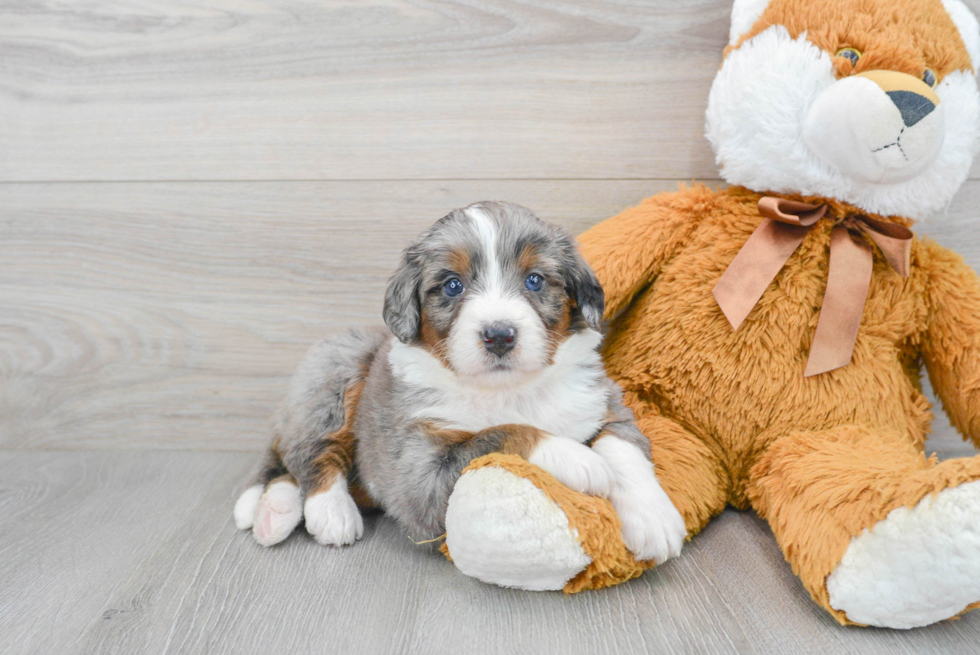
[951, 342]
[627, 251]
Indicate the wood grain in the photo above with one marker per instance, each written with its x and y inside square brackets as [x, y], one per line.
[74, 527]
[183, 580]
[170, 315]
[394, 89]
[372, 89]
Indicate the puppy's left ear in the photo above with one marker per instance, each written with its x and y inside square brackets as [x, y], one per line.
[584, 287]
[402, 308]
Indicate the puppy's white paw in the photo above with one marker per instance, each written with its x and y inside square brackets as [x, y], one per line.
[279, 512]
[652, 526]
[573, 464]
[246, 505]
[332, 516]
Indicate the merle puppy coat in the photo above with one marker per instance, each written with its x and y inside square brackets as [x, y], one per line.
[491, 346]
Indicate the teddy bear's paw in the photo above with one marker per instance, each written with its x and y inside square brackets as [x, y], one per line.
[504, 530]
[653, 529]
[278, 513]
[916, 566]
[246, 505]
[332, 516]
[573, 464]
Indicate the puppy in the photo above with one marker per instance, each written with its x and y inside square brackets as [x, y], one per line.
[493, 320]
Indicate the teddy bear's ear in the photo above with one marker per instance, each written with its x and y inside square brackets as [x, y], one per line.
[744, 15]
[966, 23]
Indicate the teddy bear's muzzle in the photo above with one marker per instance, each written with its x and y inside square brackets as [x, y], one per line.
[878, 126]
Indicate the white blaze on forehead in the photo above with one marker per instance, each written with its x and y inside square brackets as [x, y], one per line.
[487, 231]
[486, 303]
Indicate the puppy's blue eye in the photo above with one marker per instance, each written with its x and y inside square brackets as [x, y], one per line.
[454, 287]
[534, 282]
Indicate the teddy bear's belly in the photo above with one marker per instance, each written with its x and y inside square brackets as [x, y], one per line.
[740, 390]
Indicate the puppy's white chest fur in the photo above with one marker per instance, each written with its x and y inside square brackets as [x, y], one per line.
[568, 398]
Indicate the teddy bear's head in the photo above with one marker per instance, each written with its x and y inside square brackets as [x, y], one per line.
[872, 102]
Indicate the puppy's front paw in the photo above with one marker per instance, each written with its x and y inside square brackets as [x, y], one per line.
[332, 516]
[573, 464]
[652, 526]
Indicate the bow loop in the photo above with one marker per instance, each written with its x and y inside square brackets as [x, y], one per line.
[791, 212]
[894, 241]
[784, 226]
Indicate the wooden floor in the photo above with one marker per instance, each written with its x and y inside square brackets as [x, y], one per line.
[192, 192]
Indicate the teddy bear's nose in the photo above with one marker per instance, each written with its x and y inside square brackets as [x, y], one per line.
[914, 107]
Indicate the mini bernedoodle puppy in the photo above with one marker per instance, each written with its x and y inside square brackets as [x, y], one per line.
[493, 317]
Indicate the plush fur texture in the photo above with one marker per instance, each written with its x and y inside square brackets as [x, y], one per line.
[773, 79]
[835, 463]
[541, 550]
[730, 416]
[500, 539]
[917, 566]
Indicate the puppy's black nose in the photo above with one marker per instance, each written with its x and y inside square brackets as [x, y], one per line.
[913, 106]
[499, 339]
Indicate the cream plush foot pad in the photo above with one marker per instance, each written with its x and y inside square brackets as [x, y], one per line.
[502, 529]
[915, 567]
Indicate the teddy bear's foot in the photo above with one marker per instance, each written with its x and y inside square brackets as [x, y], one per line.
[504, 530]
[915, 567]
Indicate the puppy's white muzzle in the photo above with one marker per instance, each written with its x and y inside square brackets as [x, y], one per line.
[468, 352]
[879, 126]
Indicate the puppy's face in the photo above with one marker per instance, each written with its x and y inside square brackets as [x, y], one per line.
[491, 291]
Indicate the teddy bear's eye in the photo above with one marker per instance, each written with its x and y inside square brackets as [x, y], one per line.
[929, 77]
[849, 53]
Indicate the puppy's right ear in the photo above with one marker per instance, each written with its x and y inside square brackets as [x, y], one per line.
[402, 309]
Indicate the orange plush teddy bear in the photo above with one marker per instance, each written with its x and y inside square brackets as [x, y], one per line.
[769, 336]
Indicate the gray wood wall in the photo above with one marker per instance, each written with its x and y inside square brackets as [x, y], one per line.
[193, 192]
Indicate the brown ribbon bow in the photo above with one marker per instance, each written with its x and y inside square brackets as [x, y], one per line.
[783, 229]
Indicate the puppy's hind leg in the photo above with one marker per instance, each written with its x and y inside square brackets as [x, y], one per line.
[272, 507]
[332, 516]
[279, 512]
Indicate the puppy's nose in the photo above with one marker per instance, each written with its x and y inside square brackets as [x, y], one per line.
[499, 339]
[913, 106]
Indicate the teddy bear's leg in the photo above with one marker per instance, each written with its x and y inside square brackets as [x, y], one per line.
[878, 534]
[688, 471]
[512, 524]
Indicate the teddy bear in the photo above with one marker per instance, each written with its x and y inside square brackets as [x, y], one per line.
[769, 336]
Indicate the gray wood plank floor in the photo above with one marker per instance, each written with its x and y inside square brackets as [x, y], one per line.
[192, 192]
[135, 552]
